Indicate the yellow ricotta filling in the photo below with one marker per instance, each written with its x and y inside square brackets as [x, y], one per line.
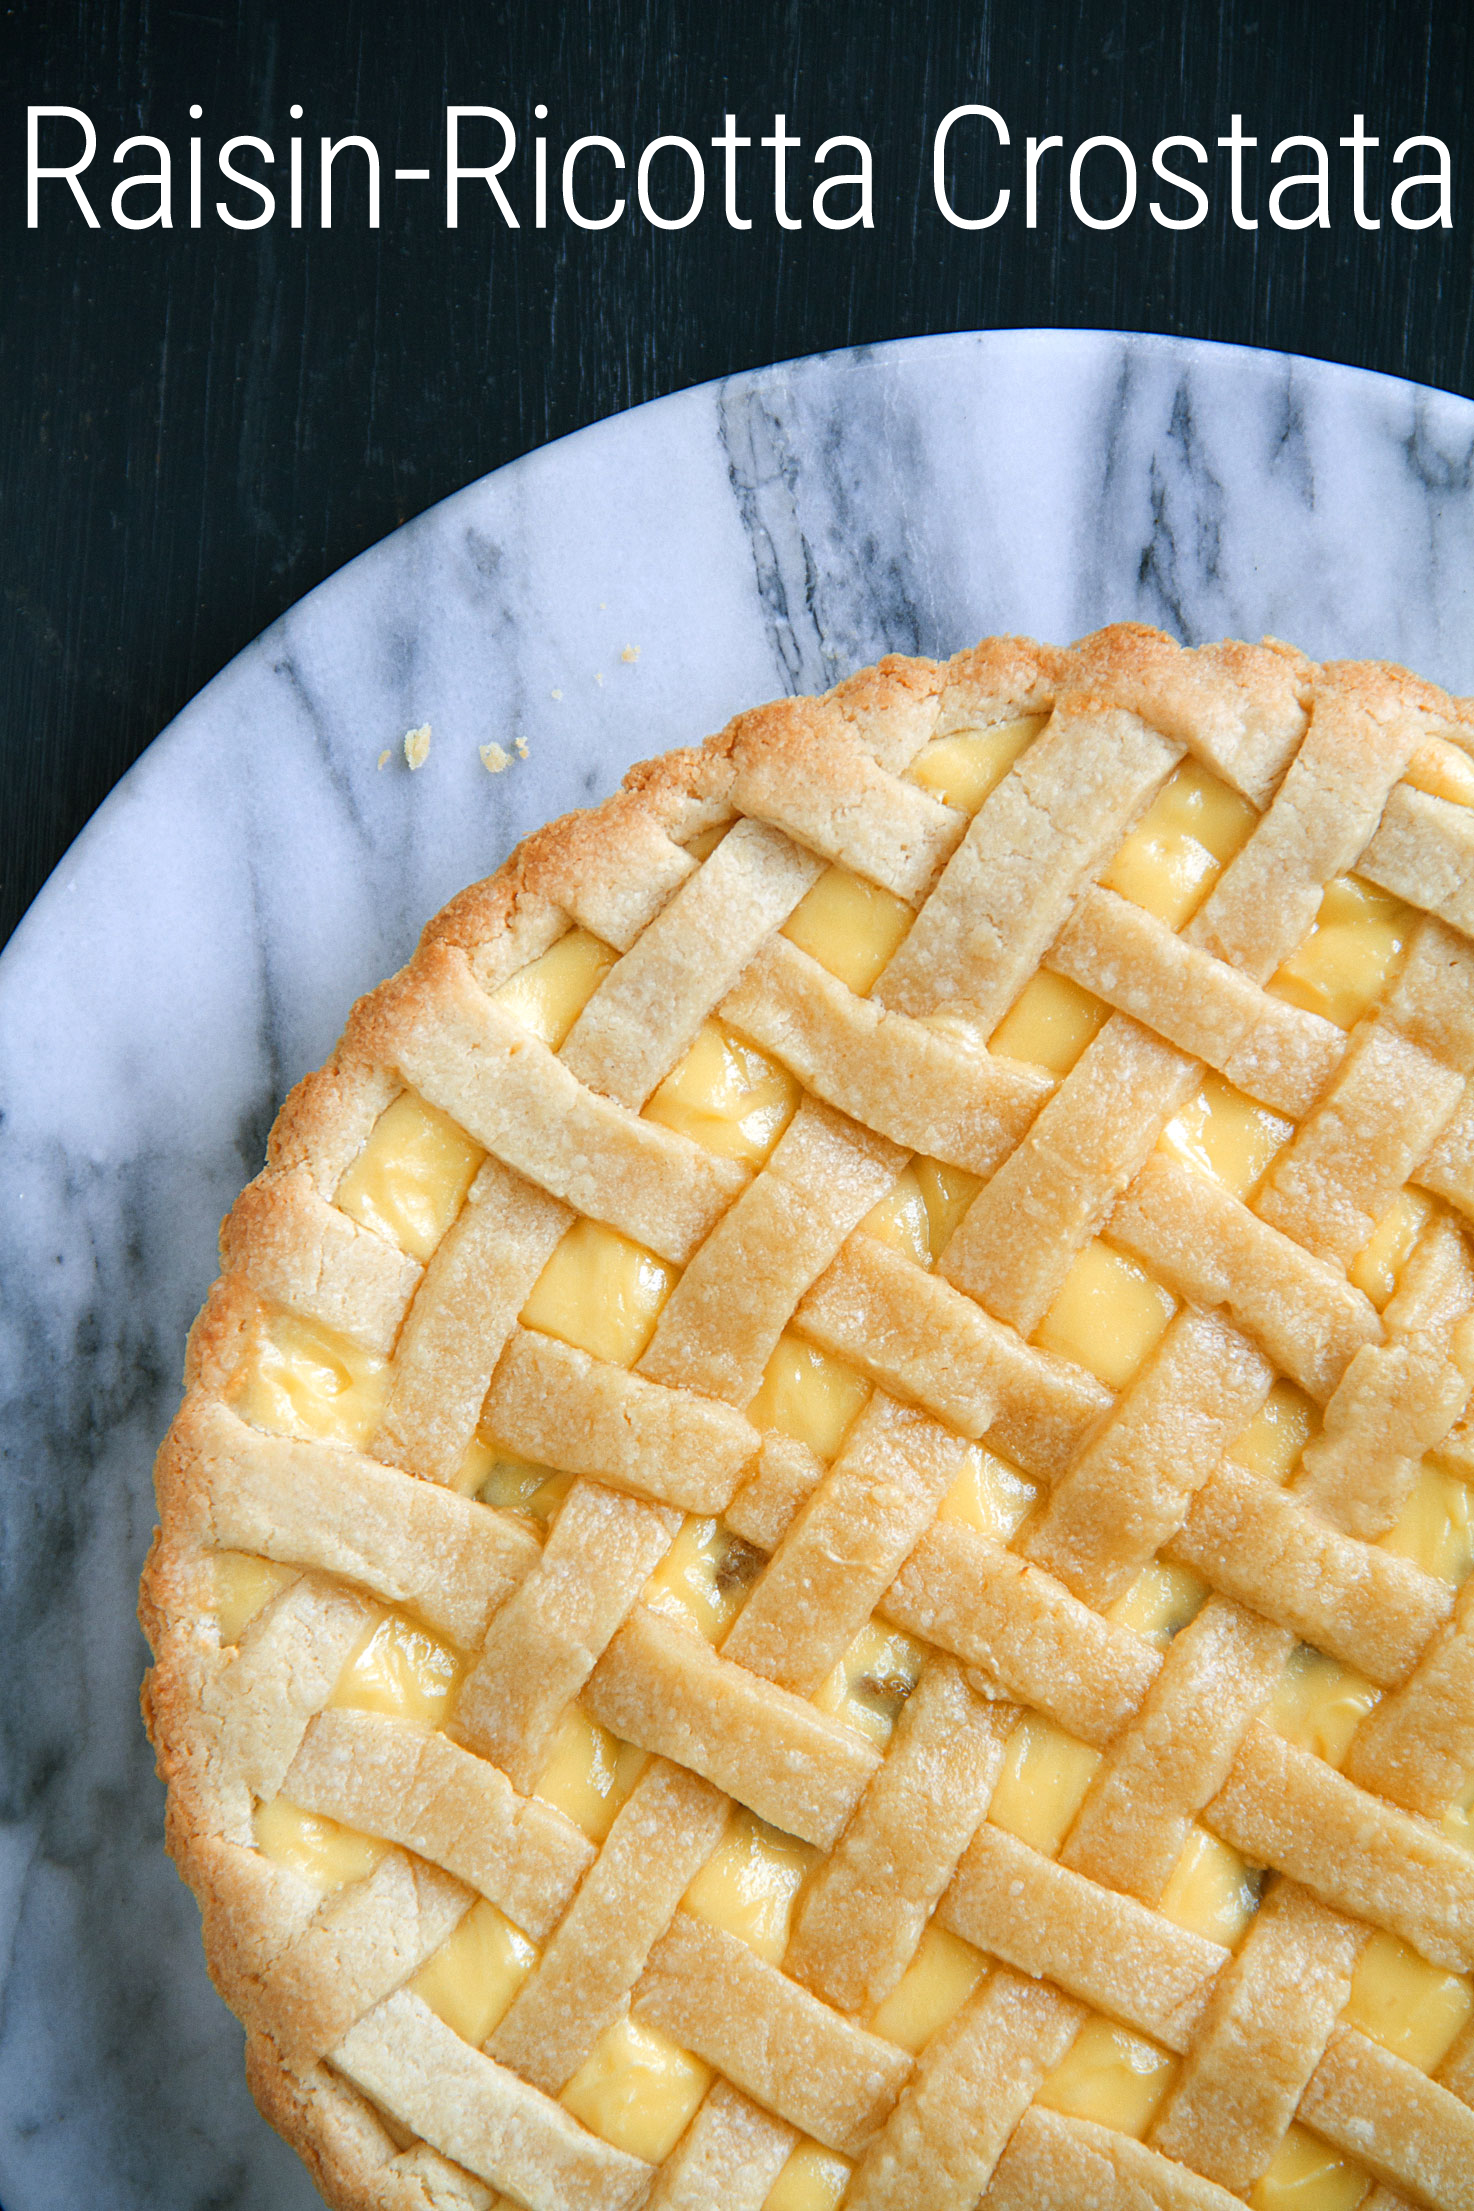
[1159, 1603]
[1108, 1315]
[849, 926]
[933, 1989]
[921, 1209]
[808, 1394]
[1383, 1257]
[1435, 1528]
[548, 995]
[1411, 2007]
[1042, 1784]
[637, 2090]
[989, 1494]
[511, 1484]
[321, 1851]
[873, 1680]
[1306, 2175]
[400, 1670]
[472, 1978]
[244, 1584]
[1108, 2074]
[814, 2179]
[1458, 1820]
[1050, 1023]
[1212, 1891]
[1443, 771]
[727, 1096]
[588, 1773]
[961, 769]
[750, 1883]
[1181, 845]
[1342, 968]
[411, 1178]
[704, 1577]
[1272, 1442]
[601, 1293]
[298, 1378]
[1226, 1135]
[1319, 1704]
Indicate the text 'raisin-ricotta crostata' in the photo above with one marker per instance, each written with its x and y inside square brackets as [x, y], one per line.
[816, 1550]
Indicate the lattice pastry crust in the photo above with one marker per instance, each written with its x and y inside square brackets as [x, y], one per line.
[816, 1547]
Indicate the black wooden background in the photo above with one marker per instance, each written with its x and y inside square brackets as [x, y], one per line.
[195, 428]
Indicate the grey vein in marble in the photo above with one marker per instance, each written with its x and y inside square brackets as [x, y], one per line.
[199, 946]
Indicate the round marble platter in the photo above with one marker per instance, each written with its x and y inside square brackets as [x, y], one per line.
[606, 598]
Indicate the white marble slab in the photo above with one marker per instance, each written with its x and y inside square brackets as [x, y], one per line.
[198, 948]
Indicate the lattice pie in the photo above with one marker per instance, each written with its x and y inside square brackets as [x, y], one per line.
[814, 1553]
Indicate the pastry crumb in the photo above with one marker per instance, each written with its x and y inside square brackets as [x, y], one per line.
[598, 675]
[417, 745]
[631, 652]
[386, 756]
[494, 758]
[519, 746]
[556, 693]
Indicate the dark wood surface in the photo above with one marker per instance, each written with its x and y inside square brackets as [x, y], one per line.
[197, 427]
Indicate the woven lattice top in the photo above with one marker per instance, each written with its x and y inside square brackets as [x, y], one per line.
[814, 1548]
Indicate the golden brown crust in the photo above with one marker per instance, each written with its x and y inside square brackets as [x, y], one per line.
[1321, 754]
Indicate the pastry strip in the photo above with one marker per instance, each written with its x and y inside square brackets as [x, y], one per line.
[413, 1786]
[1267, 899]
[323, 1505]
[1053, 2159]
[648, 1008]
[811, 2065]
[918, 1336]
[1132, 1485]
[1023, 1629]
[1008, 887]
[481, 2115]
[1282, 1806]
[846, 1545]
[1363, 1605]
[304, 1254]
[1408, 2130]
[973, 2083]
[1423, 851]
[661, 1686]
[1020, 1236]
[936, 1094]
[1273, 1051]
[1110, 1951]
[1265, 2032]
[833, 797]
[662, 1836]
[823, 1177]
[730, 2155]
[480, 1278]
[475, 1061]
[366, 1940]
[555, 1405]
[1207, 1247]
[865, 1909]
[544, 1642]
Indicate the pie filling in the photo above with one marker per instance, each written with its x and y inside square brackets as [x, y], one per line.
[602, 1293]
